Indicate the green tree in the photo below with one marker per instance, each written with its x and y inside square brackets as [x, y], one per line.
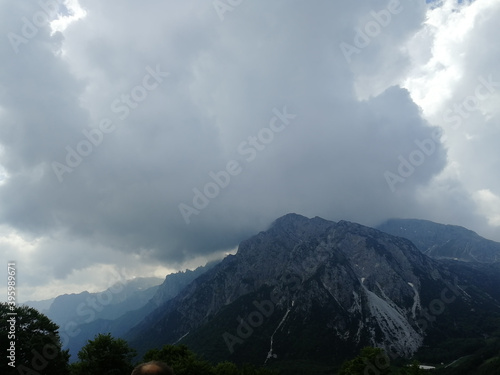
[226, 368]
[249, 369]
[370, 360]
[413, 369]
[33, 341]
[181, 359]
[185, 362]
[104, 355]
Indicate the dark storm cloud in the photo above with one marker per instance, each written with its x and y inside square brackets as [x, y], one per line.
[225, 81]
[212, 84]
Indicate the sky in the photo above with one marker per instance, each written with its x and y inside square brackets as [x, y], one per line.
[142, 138]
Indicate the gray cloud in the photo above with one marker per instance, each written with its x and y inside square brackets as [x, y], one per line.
[353, 122]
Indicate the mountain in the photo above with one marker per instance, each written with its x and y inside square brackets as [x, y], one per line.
[108, 304]
[42, 306]
[441, 241]
[315, 291]
[71, 312]
[117, 319]
[175, 282]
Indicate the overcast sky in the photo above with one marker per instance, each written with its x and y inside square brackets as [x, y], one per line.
[140, 138]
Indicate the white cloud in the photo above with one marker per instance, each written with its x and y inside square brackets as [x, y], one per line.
[440, 52]
[489, 206]
[75, 13]
[456, 82]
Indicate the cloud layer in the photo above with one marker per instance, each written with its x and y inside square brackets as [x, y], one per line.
[116, 124]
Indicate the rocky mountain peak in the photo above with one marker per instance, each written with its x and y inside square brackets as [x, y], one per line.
[367, 283]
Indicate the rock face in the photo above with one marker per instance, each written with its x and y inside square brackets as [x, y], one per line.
[309, 288]
[441, 241]
[175, 282]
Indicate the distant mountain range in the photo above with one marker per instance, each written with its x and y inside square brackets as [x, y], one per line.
[441, 241]
[151, 299]
[311, 293]
[116, 310]
[43, 306]
[109, 304]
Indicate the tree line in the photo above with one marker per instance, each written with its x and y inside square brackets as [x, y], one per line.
[36, 349]
[31, 345]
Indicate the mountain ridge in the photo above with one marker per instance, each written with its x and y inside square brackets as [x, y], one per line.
[444, 241]
[314, 290]
[360, 285]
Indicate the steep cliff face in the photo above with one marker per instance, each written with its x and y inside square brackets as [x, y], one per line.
[441, 241]
[175, 282]
[308, 288]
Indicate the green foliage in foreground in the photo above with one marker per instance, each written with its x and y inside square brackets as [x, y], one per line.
[33, 340]
[485, 361]
[369, 360]
[38, 352]
[185, 362]
[108, 356]
[104, 355]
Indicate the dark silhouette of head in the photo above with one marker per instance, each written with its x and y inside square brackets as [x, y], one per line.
[153, 368]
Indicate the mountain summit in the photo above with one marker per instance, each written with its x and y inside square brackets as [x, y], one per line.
[313, 289]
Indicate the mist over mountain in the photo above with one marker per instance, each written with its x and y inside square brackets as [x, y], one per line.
[115, 310]
[43, 306]
[109, 304]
